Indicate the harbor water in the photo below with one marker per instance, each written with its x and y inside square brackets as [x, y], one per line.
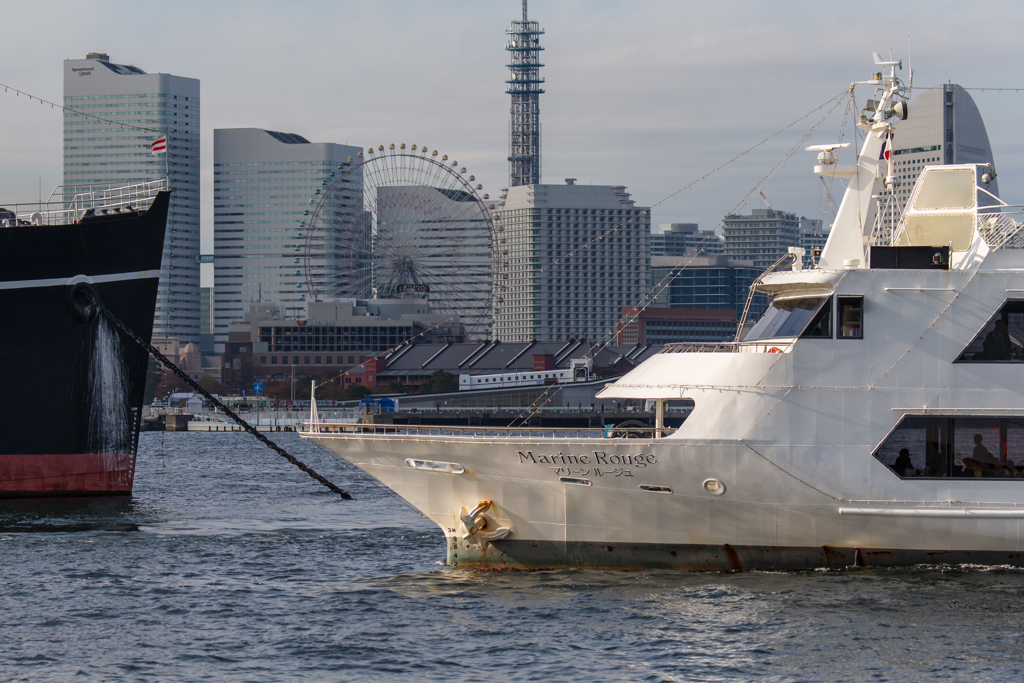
[229, 564]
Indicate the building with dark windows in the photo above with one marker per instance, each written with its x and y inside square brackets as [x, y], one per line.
[813, 236]
[332, 336]
[670, 325]
[684, 239]
[99, 155]
[715, 282]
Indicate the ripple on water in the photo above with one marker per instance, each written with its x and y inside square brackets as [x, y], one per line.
[227, 564]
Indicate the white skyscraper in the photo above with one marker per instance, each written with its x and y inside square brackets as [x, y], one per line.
[263, 182]
[944, 127]
[568, 258]
[104, 154]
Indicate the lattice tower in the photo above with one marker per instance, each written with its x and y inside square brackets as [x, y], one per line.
[524, 85]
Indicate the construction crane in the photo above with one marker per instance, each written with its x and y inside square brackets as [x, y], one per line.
[760, 192]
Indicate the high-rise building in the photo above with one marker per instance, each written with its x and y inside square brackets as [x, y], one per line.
[684, 239]
[101, 153]
[206, 344]
[762, 237]
[524, 85]
[944, 127]
[263, 182]
[568, 258]
[812, 238]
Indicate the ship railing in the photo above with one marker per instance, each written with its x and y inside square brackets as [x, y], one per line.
[1001, 229]
[69, 204]
[759, 346]
[605, 432]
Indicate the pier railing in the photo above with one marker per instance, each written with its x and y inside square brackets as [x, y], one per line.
[606, 432]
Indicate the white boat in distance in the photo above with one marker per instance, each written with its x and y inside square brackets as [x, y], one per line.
[873, 415]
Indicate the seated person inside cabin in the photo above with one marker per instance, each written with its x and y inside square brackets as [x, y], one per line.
[983, 463]
[997, 345]
[903, 466]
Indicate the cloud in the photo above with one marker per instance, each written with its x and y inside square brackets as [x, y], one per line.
[649, 95]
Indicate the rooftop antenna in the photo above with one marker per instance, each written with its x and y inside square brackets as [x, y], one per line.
[910, 84]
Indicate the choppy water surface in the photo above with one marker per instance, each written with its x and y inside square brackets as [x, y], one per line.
[229, 564]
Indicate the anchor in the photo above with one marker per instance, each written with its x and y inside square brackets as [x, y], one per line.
[477, 526]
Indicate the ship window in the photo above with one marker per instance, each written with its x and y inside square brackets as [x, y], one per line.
[786, 317]
[946, 188]
[1001, 340]
[820, 326]
[943, 447]
[955, 230]
[851, 316]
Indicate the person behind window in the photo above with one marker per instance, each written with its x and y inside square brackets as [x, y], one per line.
[982, 454]
[903, 466]
[997, 345]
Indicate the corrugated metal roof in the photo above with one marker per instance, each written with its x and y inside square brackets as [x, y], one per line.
[448, 357]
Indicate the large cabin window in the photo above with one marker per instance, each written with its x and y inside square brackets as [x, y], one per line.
[788, 317]
[944, 447]
[1001, 340]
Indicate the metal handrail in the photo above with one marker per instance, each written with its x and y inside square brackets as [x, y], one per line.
[606, 432]
[138, 196]
[791, 257]
[754, 346]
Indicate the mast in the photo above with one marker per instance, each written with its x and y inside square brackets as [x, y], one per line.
[851, 232]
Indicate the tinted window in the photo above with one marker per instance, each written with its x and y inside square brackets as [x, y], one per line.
[820, 326]
[786, 317]
[1001, 340]
[940, 447]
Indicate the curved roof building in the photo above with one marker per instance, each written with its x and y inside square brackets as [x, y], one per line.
[944, 127]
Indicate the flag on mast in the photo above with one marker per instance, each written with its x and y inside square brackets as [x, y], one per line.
[159, 146]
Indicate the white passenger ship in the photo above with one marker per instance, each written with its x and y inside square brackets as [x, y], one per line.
[873, 415]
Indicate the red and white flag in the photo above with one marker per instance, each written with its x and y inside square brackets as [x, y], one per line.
[159, 146]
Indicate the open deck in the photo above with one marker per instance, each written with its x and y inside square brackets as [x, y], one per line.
[489, 433]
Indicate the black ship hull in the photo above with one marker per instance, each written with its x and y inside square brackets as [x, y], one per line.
[69, 417]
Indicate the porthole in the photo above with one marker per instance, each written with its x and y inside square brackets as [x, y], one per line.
[714, 486]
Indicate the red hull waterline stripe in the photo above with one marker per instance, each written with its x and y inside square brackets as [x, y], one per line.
[66, 474]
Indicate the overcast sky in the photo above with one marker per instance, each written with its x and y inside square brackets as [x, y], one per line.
[651, 95]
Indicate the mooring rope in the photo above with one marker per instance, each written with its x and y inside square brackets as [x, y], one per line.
[128, 332]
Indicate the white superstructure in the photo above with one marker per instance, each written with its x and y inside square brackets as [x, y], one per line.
[872, 415]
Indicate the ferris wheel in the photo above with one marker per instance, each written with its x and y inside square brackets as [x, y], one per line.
[398, 223]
